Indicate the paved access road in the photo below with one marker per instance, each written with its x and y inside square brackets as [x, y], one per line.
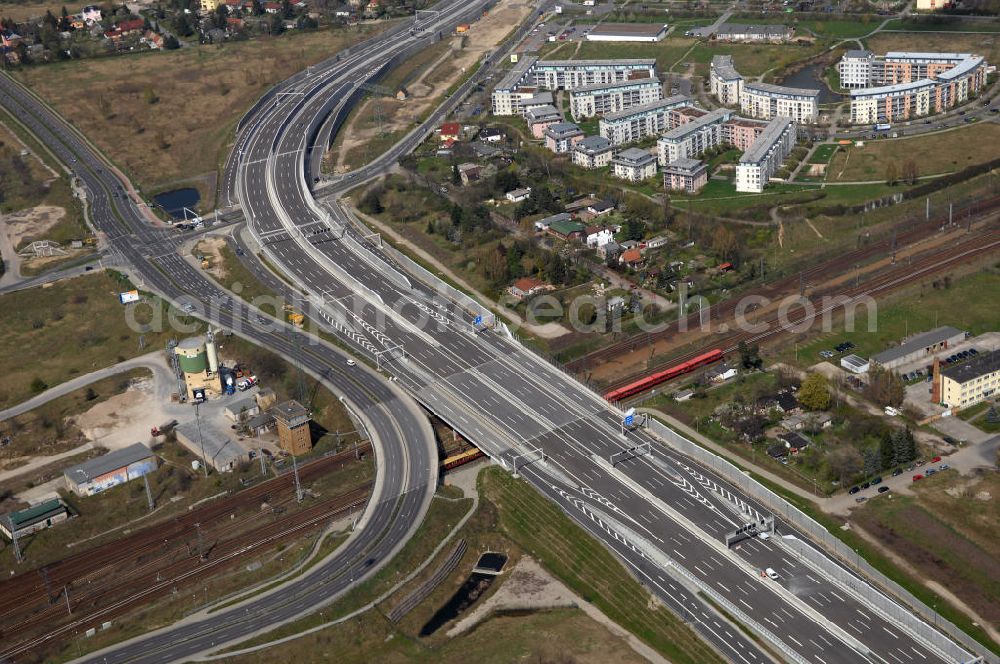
[665, 516]
[407, 462]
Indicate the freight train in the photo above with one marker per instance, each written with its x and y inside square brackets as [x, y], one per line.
[655, 379]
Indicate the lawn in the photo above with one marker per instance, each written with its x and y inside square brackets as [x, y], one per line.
[962, 306]
[823, 153]
[942, 24]
[935, 153]
[167, 117]
[753, 59]
[947, 535]
[22, 11]
[666, 52]
[719, 197]
[73, 327]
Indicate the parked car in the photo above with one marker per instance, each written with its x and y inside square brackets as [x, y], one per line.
[944, 466]
[865, 485]
[772, 574]
[917, 478]
[826, 353]
[935, 459]
[854, 490]
[929, 472]
[877, 480]
[860, 499]
[883, 489]
[974, 351]
[897, 472]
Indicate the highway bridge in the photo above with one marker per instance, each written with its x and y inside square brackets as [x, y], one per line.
[666, 516]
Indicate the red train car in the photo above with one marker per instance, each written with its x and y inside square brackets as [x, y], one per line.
[652, 380]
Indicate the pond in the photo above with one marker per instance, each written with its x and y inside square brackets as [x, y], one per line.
[466, 596]
[811, 76]
[174, 202]
[491, 562]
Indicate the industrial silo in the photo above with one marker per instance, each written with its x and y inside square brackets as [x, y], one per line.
[213, 355]
[192, 356]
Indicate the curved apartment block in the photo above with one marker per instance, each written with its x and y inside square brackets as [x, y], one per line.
[760, 100]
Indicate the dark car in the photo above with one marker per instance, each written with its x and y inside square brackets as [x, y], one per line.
[877, 480]
[854, 490]
[929, 472]
[866, 485]
[973, 351]
[883, 489]
[897, 472]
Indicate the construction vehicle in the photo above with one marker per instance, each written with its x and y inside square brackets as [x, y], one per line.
[163, 429]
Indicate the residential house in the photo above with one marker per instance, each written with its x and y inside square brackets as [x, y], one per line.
[721, 374]
[566, 229]
[543, 224]
[657, 242]
[688, 175]
[541, 118]
[562, 136]
[634, 165]
[91, 14]
[518, 195]
[450, 131]
[469, 173]
[526, 287]
[491, 134]
[610, 250]
[631, 258]
[272, 7]
[598, 236]
[794, 441]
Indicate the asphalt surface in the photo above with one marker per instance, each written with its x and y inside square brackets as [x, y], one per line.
[658, 511]
[407, 465]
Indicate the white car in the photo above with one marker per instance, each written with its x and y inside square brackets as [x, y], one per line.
[764, 536]
[771, 574]
[351, 363]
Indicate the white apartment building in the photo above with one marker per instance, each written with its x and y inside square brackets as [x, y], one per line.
[692, 138]
[725, 83]
[967, 384]
[634, 165]
[889, 103]
[636, 123]
[765, 156]
[855, 69]
[531, 74]
[766, 101]
[562, 136]
[601, 99]
[593, 152]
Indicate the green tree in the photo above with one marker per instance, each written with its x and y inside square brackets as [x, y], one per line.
[455, 177]
[814, 393]
[904, 445]
[891, 173]
[885, 387]
[887, 454]
[38, 385]
[749, 355]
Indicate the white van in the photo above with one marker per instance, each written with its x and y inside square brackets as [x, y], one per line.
[771, 574]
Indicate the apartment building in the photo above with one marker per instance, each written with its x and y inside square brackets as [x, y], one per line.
[636, 123]
[765, 156]
[562, 136]
[692, 138]
[507, 95]
[967, 384]
[725, 83]
[688, 175]
[601, 99]
[541, 118]
[889, 103]
[742, 132]
[592, 152]
[855, 69]
[634, 165]
[766, 101]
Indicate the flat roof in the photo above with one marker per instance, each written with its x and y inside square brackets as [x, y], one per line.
[685, 164]
[759, 149]
[667, 103]
[893, 89]
[918, 55]
[961, 69]
[593, 144]
[917, 342]
[629, 29]
[566, 128]
[32, 514]
[648, 80]
[717, 116]
[546, 111]
[220, 449]
[854, 361]
[723, 66]
[622, 63]
[982, 364]
[102, 465]
[782, 90]
[858, 53]
[517, 72]
[634, 155]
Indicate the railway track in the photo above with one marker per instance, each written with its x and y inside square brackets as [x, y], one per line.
[900, 275]
[904, 234]
[92, 605]
[153, 545]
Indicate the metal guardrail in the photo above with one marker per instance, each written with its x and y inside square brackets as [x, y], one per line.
[944, 635]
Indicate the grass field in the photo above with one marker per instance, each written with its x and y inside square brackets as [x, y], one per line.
[21, 11]
[823, 154]
[987, 45]
[936, 153]
[949, 533]
[167, 117]
[962, 306]
[753, 59]
[71, 328]
[945, 25]
[720, 197]
[666, 52]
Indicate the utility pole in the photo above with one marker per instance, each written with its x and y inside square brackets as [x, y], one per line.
[950, 207]
[260, 454]
[201, 440]
[149, 494]
[298, 487]
[13, 538]
[69, 610]
[201, 550]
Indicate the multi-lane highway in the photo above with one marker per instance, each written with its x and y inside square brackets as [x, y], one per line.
[666, 517]
[404, 443]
